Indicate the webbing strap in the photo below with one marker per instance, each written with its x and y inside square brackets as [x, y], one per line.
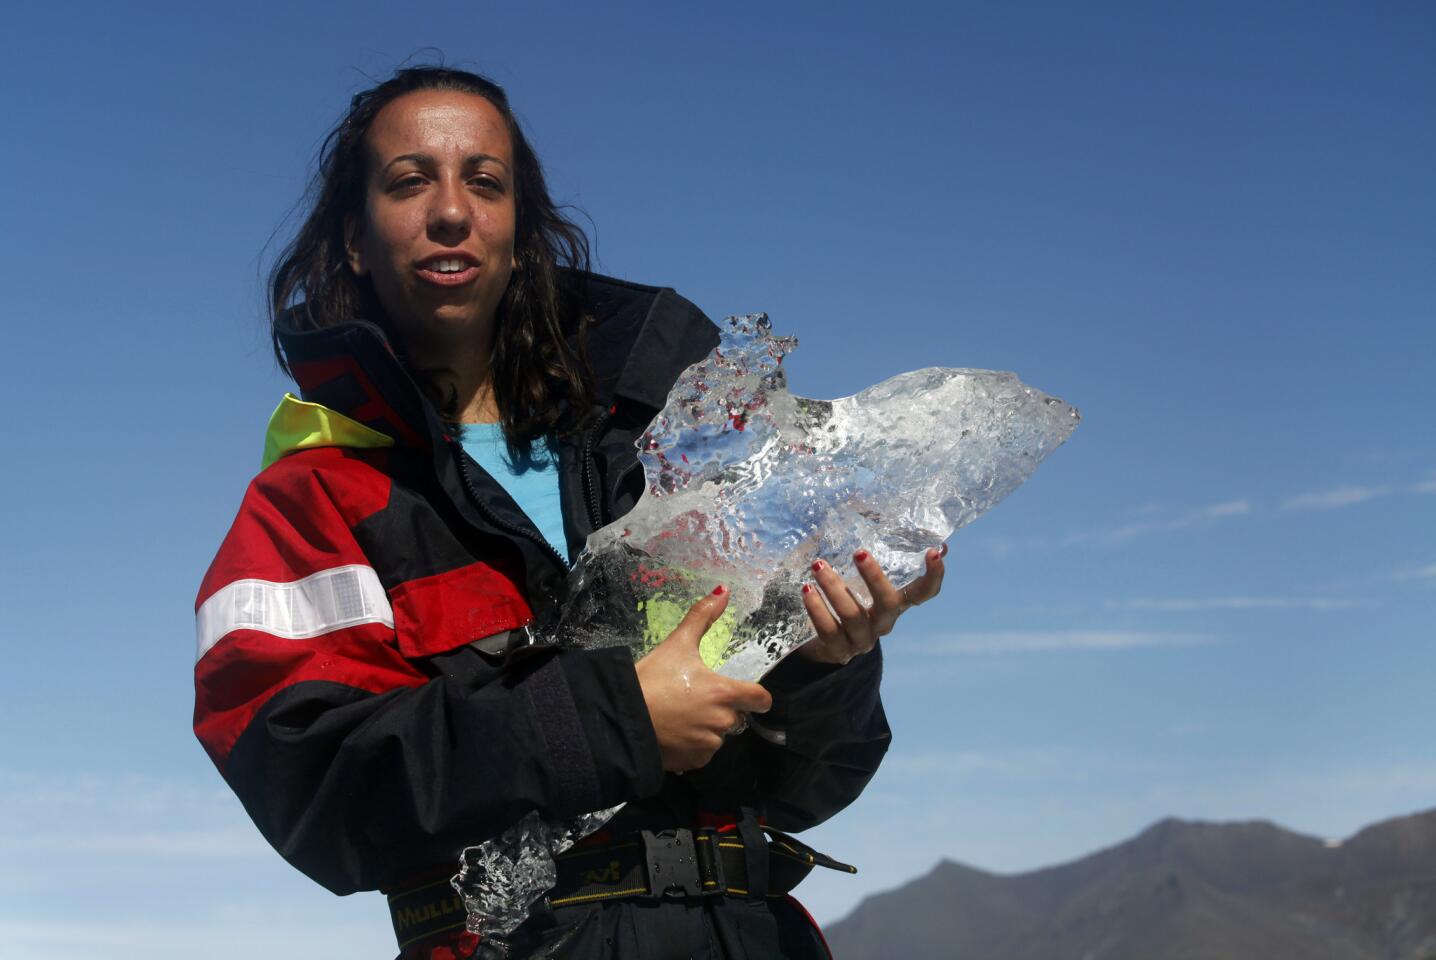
[719, 865]
[755, 852]
[720, 868]
[425, 911]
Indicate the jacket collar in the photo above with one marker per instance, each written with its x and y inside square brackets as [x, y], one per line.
[351, 369]
[640, 339]
[298, 425]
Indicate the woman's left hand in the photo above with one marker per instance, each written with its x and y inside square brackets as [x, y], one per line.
[856, 628]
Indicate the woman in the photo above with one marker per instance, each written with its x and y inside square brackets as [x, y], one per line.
[363, 682]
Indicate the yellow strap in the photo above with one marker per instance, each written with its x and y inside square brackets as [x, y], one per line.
[457, 925]
[587, 897]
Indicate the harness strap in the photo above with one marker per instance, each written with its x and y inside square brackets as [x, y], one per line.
[425, 911]
[685, 863]
[665, 864]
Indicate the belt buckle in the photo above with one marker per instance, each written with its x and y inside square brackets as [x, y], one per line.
[672, 861]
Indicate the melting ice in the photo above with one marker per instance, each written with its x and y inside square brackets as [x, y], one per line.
[747, 485]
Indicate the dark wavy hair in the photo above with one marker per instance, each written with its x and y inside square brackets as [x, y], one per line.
[541, 383]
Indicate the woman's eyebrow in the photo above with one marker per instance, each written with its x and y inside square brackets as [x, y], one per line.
[427, 161]
[478, 159]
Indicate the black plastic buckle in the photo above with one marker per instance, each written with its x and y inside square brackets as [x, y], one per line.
[673, 868]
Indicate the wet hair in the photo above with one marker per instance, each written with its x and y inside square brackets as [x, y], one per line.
[540, 381]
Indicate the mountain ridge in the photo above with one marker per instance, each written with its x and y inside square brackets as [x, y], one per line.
[1184, 889]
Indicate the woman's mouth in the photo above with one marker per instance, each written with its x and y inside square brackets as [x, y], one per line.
[447, 271]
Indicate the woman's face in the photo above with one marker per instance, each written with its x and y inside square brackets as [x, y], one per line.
[436, 236]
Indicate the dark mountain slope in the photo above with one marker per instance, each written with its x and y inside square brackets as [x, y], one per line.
[1179, 890]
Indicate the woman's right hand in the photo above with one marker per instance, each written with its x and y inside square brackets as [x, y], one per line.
[693, 708]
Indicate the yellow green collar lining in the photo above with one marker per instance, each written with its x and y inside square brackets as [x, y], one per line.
[298, 425]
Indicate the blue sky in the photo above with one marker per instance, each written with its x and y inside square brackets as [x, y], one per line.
[1210, 226]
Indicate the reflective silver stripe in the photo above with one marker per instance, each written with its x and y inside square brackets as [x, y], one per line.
[321, 602]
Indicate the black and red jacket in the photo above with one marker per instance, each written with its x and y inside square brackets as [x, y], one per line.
[338, 689]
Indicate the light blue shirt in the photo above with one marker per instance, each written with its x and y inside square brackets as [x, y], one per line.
[532, 481]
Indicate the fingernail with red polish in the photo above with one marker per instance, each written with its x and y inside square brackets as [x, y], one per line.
[807, 588]
[719, 590]
[817, 565]
[860, 556]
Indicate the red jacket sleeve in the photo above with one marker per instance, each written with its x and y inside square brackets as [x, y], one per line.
[359, 764]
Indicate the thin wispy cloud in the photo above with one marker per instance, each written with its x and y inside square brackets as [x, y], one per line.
[905, 769]
[1150, 519]
[127, 839]
[945, 762]
[130, 816]
[1042, 641]
[221, 937]
[1346, 495]
[1427, 572]
[240, 841]
[1190, 518]
[1231, 508]
[128, 796]
[1335, 497]
[1170, 605]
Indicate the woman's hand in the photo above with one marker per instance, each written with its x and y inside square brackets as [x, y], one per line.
[693, 708]
[856, 628]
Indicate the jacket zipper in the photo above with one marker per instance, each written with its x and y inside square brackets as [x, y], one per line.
[590, 487]
[494, 518]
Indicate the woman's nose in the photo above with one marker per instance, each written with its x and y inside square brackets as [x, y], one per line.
[449, 216]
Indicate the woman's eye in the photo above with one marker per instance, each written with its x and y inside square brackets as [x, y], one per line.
[412, 180]
[488, 183]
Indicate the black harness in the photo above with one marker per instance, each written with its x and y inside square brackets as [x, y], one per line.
[748, 861]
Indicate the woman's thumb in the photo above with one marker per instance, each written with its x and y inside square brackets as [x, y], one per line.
[703, 615]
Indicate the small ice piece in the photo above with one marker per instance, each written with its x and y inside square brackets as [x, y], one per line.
[747, 485]
[502, 878]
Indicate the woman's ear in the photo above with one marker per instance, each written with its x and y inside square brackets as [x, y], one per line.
[351, 246]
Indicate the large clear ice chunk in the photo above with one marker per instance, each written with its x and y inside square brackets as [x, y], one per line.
[747, 485]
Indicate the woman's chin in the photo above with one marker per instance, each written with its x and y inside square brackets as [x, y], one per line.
[448, 324]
